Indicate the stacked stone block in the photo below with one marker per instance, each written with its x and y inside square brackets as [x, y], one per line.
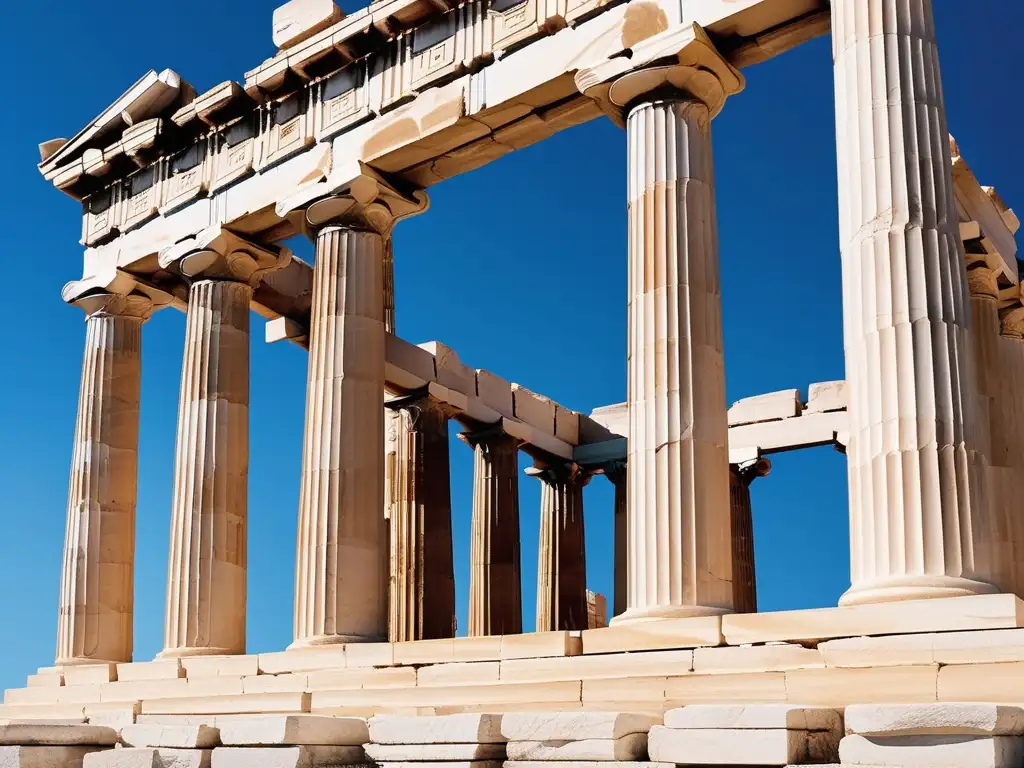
[49, 744]
[290, 741]
[468, 740]
[767, 734]
[953, 735]
[159, 746]
[576, 739]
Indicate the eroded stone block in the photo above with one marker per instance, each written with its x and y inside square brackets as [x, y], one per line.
[146, 757]
[299, 20]
[631, 747]
[727, 746]
[43, 757]
[474, 728]
[48, 734]
[172, 736]
[916, 719]
[294, 730]
[759, 716]
[287, 757]
[933, 751]
[546, 726]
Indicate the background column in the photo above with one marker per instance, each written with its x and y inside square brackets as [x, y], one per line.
[97, 574]
[918, 508]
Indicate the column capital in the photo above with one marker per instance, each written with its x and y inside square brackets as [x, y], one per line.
[217, 253]
[749, 471]
[354, 196]
[615, 471]
[1012, 322]
[116, 293]
[680, 64]
[487, 435]
[419, 403]
[560, 472]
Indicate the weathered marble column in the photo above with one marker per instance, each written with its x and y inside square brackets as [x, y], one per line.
[495, 581]
[561, 556]
[680, 557]
[616, 474]
[422, 597]
[97, 575]
[918, 504]
[744, 573]
[341, 590]
[206, 577]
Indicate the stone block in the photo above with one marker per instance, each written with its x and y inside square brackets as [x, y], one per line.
[425, 651]
[784, 404]
[368, 655]
[172, 736]
[587, 764]
[367, 677]
[287, 757]
[495, 392]
[973, 719]
[446, 764]
[533, 409]
[162, 669]
[451, 371]
[251, 703]
[90, 674]
[446, 729]
[48, 712]
[758, 717]
[216, 666]
[299, 20]
[631, 747]
[272, 683]
[533, 645]
[477, 648]
[113, 715]
[558, 726]
[216, 685]
[289, 730]
[1000, 683]
[756, 658]
[690, 632]
[41, 733]
[740, 688]
[145, 757]
[726, 746]
[401, 753]
[654, 663]
[32, 695]
[615, 691]
[304, 660]
[839, 687]
[978, 647]
[933, 751]
[459, 673]
[890, 651]
[826, 396]
[914, 616]
[43, 757]
[567, 425]
[45, 680]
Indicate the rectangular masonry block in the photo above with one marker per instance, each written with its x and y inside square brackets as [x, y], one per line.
[286, 757]
[294, 730]
[655, 635]
[974, 719]
[533, 409]
[90, 674]
[49, 734]
[215, 666]
[144, 757]
[757, 716]
[368, 655]
[446, 729]
[631, 747]
[45, 680]
[756, 658]
[164, 669]
[425, 651]
[883, 685]
[252, 703]
[171, 736]
[116, 715]
[44, 757]
[366, 677]
[575, 726]
[418, 753]
[446, 764]
[726, 746]
[740, 688]
[982, 682]
[654, 663]
[826, 396]
[144, 689]
[933, 751]
[784, 404]
[495, 392]
[889, 651]
[587, 764]
[459, 673]
[914, 616]
[304, 660]
[541, 644]
[274, 683]
[42, 711]
[477, 648]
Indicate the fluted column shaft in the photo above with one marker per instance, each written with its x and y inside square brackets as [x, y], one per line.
[744, 576]
[495, 583]
[342, 554]
[678, 469]
[422, 596]
[206, 583]
[616, 474]
[561, 556]
[917, 493]
[97, 574]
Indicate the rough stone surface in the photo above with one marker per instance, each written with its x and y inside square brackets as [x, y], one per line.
[933, 751]
[46, 734]
[725, 746]
[294, 730]
[43, 757]
[172, 736]
[953, 718]
[577, 726]
[286, 757]
[471, 728]
[401, 753]
[146, 757]
[586, 764]
[631, 747]
[446, 764]
[760, 716]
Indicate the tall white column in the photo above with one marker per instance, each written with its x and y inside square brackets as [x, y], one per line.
[918, 510]
[97, 575]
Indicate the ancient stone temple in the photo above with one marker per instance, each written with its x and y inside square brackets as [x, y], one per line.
[187, 198]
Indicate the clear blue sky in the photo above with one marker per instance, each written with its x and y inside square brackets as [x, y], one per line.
[520, 266]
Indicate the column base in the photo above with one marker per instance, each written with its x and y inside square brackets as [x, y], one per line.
[181, 653]
[656, 612]
[81, 661]
[317, 641]
[900, 588]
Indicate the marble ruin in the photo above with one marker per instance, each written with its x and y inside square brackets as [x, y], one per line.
[187, 198]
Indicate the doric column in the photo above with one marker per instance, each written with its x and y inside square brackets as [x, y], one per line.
[680, 558]
[918, 524]
[206, 575]
[341, 590]
[422, 598]
[97, 574]
[744, 581]
[495, 582]
[616, 474]
[562, 555]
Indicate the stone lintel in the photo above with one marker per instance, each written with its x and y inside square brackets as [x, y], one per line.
[219, 253]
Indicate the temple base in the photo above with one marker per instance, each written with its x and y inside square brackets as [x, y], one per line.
[903, 588]
[184, 653]
[658, 612]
